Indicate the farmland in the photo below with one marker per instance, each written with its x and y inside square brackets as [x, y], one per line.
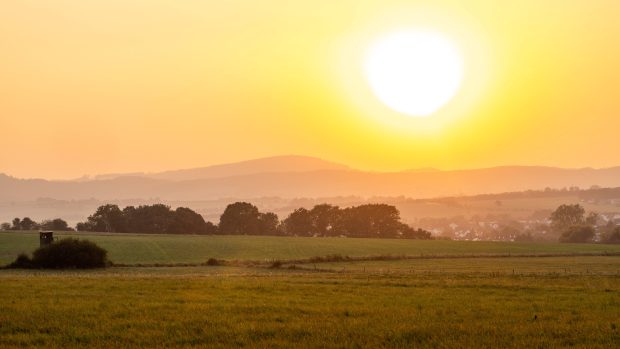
[135, 248]
[447, 294]
[232, 307]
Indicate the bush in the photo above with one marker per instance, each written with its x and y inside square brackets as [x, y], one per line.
[22, 262]
[70, 253]
[213, 262]
[276, 264]
[578, 233]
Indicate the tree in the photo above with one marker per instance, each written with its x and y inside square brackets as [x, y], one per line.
[591, 218]
[408, 232]
[132, 223]
[187, 221]
[147, 219]
[268, 224]
[566, 216]
[578, 234]
[55, 224]
[84, 226]
[239, 218]
[5, 226]
[319, 221]
[153, 219]
[571, 222]
[370, 220]
[324, 217]
[107, 218]
[28, 224]
[299, 223]
[17, 224]
[243, 218]
[210, 228]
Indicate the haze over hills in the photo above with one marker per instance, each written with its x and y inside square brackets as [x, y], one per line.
[300, 176]
[286, 163]
[282, 184]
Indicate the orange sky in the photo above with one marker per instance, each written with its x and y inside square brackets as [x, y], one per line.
[91, 87]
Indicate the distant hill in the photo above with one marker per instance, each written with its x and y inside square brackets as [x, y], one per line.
[297, 176]
[287, 163]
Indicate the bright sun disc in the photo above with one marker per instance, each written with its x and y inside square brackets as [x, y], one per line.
[414, 72]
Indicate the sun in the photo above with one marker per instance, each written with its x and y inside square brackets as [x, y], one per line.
[414, 72]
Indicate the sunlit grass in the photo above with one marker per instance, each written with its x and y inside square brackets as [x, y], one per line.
[223, 307]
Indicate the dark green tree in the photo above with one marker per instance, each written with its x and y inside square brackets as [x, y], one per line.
[28, 224]
[17, 224]
[408, 232]
[268, 224]
[210, 228]
[150, 219]
[240, 218]
[324, 219]
[299, 223]
[55, 224]
[147, 219]
[187, 221]
[370, 220]
[107, 218]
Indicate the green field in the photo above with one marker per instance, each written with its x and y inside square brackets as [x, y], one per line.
[473, 299]
[131, 248]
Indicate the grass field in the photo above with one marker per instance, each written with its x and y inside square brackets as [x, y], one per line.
[131, 248]
[473, 300]
[231, 307]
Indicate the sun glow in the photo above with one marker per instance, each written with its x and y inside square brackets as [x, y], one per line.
[414, 72]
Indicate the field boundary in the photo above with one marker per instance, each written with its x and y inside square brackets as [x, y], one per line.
[336, 258]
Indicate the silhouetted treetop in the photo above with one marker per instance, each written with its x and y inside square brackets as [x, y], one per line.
[146, 219]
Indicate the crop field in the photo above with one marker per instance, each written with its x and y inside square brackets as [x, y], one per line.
[134, 248]
[446, 294]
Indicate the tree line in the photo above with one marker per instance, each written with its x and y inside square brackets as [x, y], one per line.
[28, 224]
[146, 219]
[569, 223]
[243, 218]
[370, 220]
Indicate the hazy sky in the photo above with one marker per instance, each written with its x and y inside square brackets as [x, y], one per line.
[91, 87]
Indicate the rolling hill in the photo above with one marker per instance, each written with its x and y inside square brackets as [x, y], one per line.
[295, 176]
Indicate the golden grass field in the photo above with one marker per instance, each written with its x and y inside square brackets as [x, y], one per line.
[479, 298]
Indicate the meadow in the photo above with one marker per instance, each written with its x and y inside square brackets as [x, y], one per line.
[449, 294]
[150, 249]
[225, 307]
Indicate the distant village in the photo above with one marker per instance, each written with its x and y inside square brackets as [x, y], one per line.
[536, 227]
[505, 228]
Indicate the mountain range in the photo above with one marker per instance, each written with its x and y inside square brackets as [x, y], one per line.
[302, 176]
